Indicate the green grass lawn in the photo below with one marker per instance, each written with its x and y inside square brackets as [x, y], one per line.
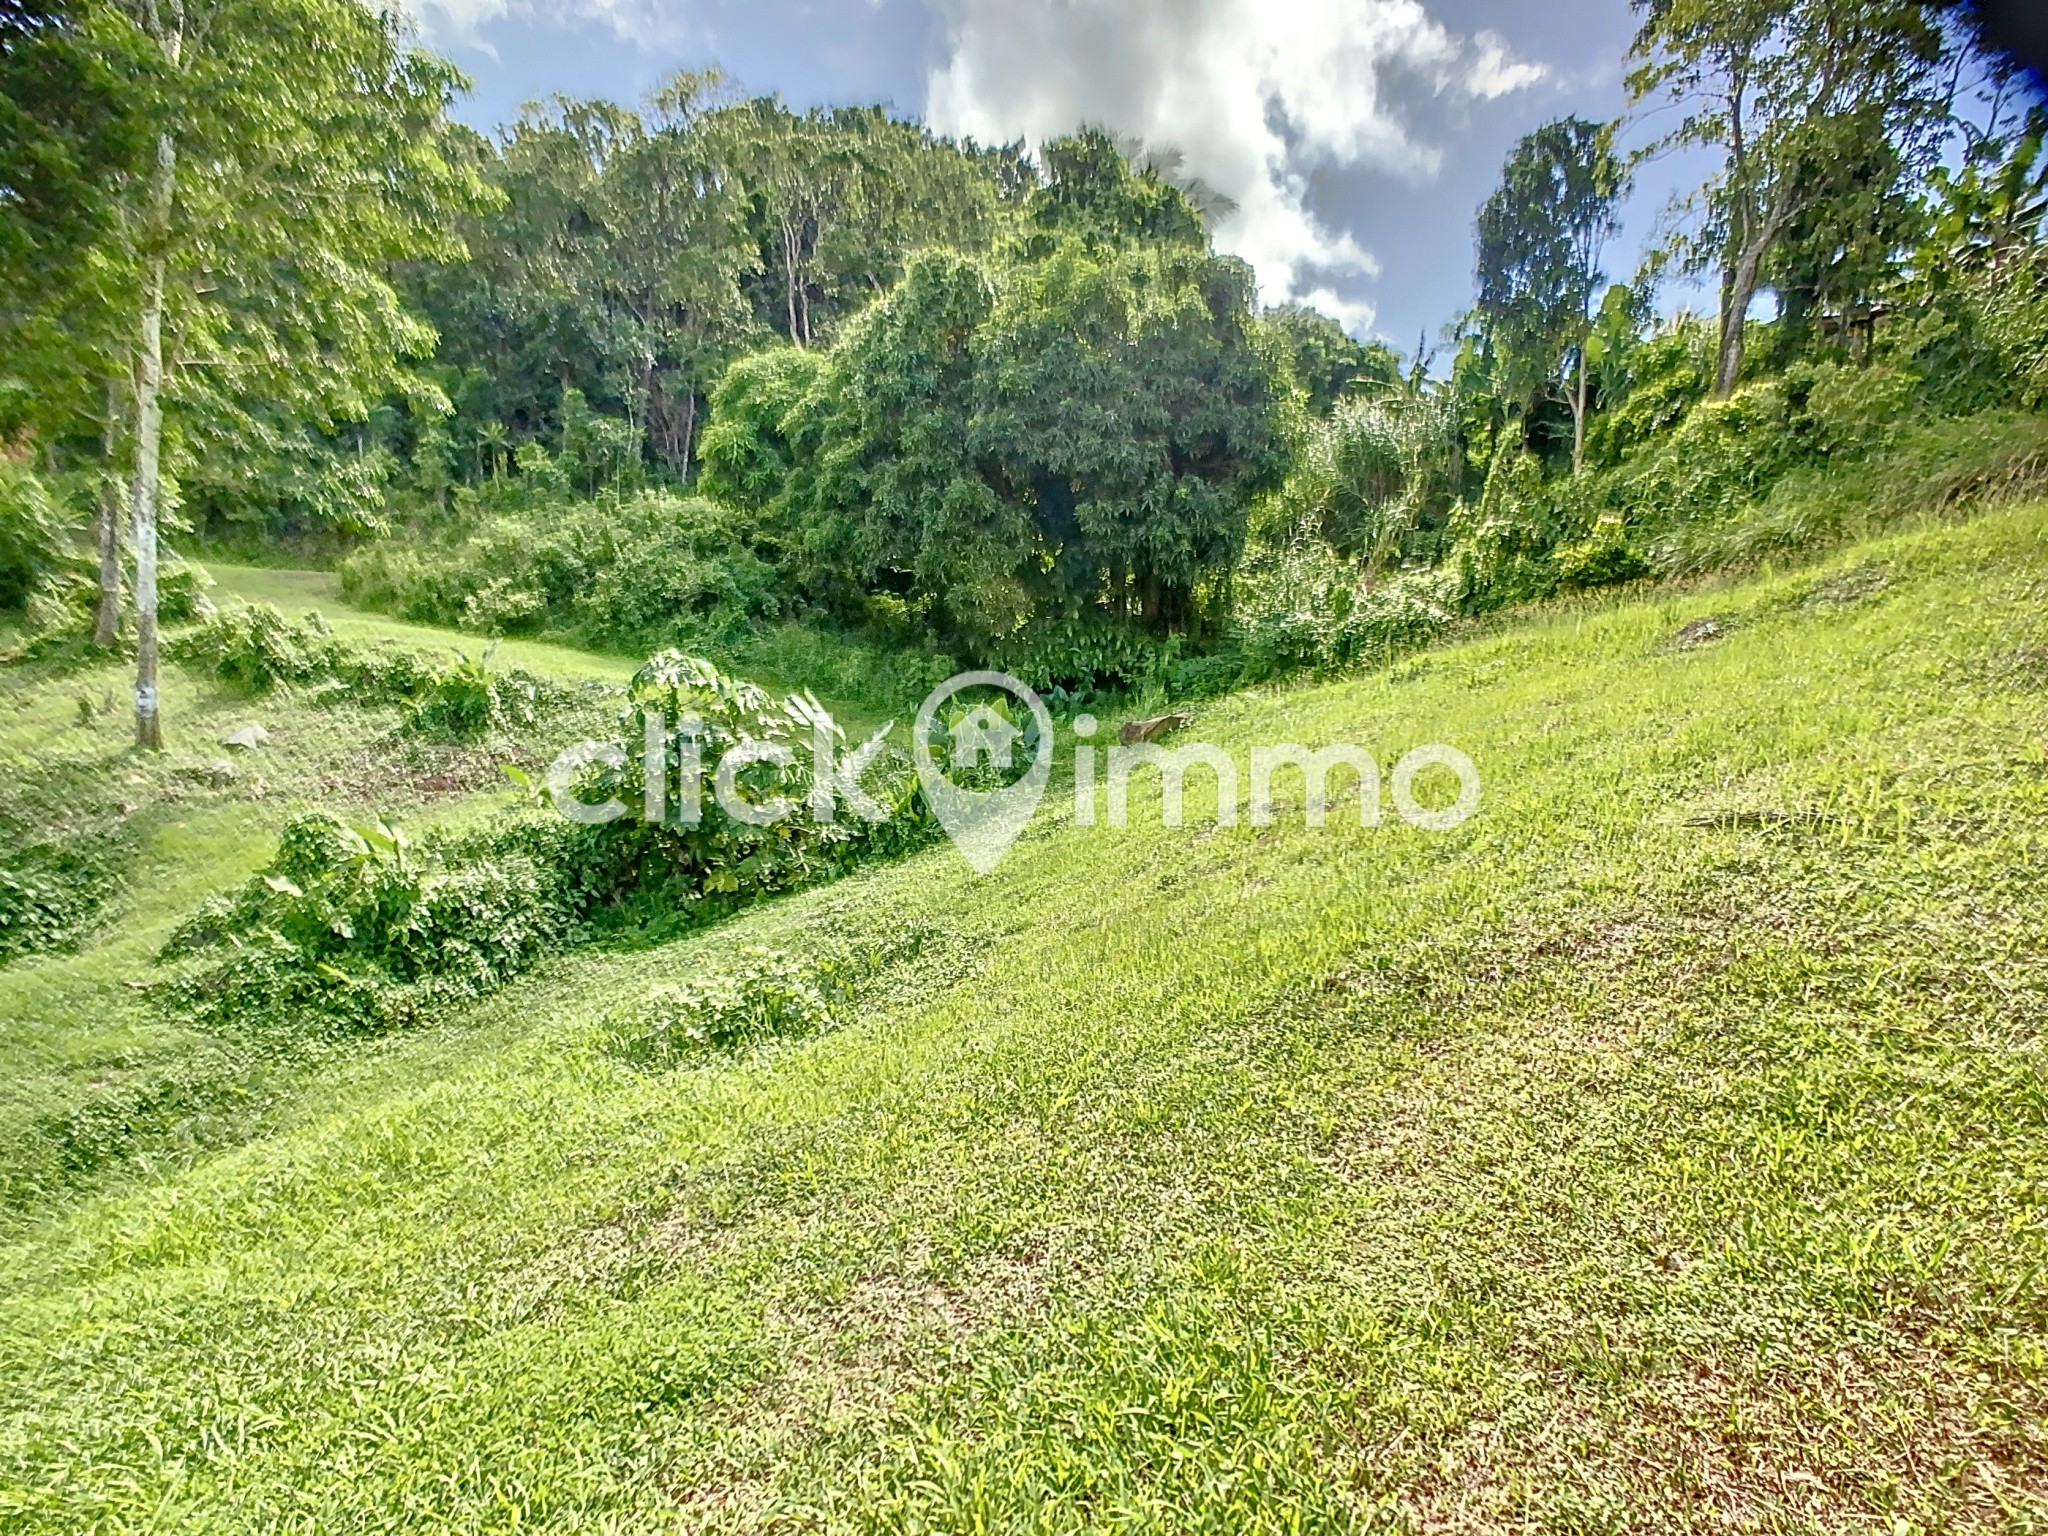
[1664, 1149]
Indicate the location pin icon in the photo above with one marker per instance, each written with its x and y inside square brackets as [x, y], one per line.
[982, 823]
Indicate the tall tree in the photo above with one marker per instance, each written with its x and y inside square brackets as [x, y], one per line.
[1791, 92]
[73, 137]
[677, 250]
[1541, 233]
[299, 152]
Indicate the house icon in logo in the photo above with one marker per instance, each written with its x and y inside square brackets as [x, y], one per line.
[983, 736]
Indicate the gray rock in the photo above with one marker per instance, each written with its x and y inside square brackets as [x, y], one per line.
[1699, 632]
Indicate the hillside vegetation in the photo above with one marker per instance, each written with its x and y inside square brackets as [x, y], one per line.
[1662, 1149]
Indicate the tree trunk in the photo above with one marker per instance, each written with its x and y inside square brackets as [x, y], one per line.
[149, 419]
[107, 528]
[1579, 416]
[789, 245]
[1741, 289]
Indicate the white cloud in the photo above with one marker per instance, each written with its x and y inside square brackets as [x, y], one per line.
[1257, 94]
[1494, 73]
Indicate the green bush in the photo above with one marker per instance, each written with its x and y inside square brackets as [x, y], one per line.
[1722, 457]
[49, 892]
[356, 927]
[466, 700]
[1939, 468]
[764, 996]
[349, 923]
[1309, 607]
[715, 863]
[1604, 558]
[254, 648]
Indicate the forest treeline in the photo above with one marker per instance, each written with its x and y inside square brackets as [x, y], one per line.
[670, 373]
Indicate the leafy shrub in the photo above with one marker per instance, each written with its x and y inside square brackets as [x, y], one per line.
[1845, 411]
[715, 863]
[356, 927]
[1371, 475]
[48, 893]
[1076, 657]
[466, 700]
[1501, 547]
[1649, 386]
[764, 996]
[1940, 468]
[887, 673]
[254, 648]
[1308, 607]
[347, 923]
[1721, 458]
[1604, 558]
[180, 589]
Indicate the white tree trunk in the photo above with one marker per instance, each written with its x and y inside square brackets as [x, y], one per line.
[113, 492]
[149, 421]
[790, 240]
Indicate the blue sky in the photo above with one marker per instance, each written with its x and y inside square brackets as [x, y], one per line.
[1357, 136]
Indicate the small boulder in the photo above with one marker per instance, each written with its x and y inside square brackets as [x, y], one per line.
[246, 738]
[1135, 731]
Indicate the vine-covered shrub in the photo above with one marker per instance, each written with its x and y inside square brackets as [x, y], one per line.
[1604, 558]
[678, 864]
[764, 995]
[1305, 606]
[49, 892]
[254, 648]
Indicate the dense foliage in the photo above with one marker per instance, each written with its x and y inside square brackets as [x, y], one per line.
[645, 570]
[1074, 437]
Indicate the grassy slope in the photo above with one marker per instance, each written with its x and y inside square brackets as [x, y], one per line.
[1585, 1168]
